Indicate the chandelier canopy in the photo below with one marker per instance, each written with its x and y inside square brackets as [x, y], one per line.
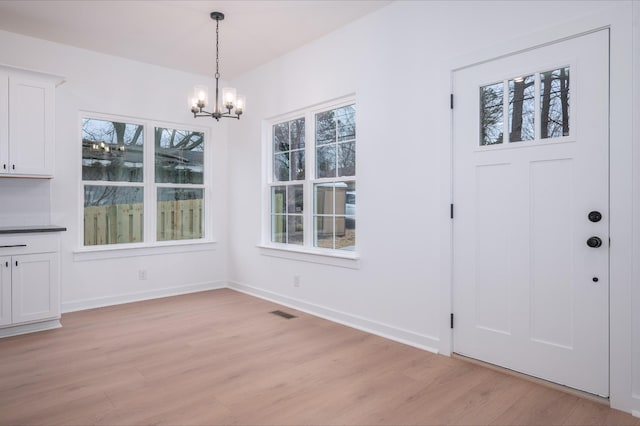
[229, 105]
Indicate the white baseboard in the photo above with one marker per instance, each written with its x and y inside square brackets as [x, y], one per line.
[29, 328]
[407, 337]
[99, 302]
[635, 413]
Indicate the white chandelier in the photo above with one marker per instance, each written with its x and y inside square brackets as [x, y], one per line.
[230, 105]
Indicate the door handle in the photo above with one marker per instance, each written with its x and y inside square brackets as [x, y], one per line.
[594, 242]
[595, 216]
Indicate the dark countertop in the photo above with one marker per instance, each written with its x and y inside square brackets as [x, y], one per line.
[30, 229]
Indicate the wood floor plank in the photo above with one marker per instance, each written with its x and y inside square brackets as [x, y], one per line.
[220, 357]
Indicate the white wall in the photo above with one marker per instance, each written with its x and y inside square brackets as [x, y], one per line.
[398, 61]
[107, 84]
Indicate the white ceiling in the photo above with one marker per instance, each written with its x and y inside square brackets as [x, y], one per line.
[180, 34]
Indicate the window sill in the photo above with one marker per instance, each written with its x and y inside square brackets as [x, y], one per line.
[341, 259]
[129, 250]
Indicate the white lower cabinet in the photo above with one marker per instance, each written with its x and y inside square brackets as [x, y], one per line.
[29, 287]
[5, 291]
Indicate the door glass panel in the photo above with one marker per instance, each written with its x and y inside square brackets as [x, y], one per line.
[554, 103]
[521, 109]
[491, 114]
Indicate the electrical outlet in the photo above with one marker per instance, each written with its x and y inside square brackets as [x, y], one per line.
[296, 280]
[142, 274]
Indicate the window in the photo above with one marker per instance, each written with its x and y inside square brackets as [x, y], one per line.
[508, 109]
[312, 178]
[125, 198]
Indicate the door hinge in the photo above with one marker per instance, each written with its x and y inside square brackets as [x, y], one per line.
[452, 320]
[451, 100]
[451, 211]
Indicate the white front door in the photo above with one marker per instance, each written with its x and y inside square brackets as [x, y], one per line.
[531, 194]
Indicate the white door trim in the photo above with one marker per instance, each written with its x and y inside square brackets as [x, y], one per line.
[622, 214]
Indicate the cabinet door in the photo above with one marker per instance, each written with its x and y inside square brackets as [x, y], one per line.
[31, 129]
[35, 289]
[4, 122]
[5, 290]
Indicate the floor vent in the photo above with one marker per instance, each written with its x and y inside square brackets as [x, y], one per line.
[283, 314]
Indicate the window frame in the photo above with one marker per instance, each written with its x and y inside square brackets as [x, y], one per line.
[307, 251]
[150, 243]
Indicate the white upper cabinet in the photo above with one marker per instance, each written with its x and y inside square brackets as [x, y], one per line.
[27, 114]
[4, 122]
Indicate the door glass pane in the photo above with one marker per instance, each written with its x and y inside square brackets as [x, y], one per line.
[180, 214]
[112, 151]
[491, 114]
[521, 109]
[179, 156]
[554, 103]
[113, 215]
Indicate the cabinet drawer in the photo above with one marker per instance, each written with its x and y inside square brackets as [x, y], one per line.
[28, 243]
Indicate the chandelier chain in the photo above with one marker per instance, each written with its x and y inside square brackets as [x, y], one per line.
[217, 49]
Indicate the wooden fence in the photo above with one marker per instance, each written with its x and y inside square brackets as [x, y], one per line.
[124, 223]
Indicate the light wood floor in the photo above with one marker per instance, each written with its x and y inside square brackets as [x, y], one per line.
[219, 357]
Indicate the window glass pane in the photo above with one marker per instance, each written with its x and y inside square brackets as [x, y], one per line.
[326, 161]
[281, 167]
[347, 159]
[323, 199]
[323, 232]
[325, 128]
[521, 109]
[279, 228]
[345, 225]
[278, 197]
[281, 137]
[113, 215]
[348, 241]
[554, 103]
[346, 119]
[180, 214]
[491, 114]
[179, 156]
[334, 215]
[295, 199]
[297, 165]
[297, 133]
[295, 234]
[112, 151]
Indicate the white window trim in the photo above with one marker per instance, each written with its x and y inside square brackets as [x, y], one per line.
[306, 252]
[150, 245]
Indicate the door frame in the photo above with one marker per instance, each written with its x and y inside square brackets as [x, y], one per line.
[622, 270]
